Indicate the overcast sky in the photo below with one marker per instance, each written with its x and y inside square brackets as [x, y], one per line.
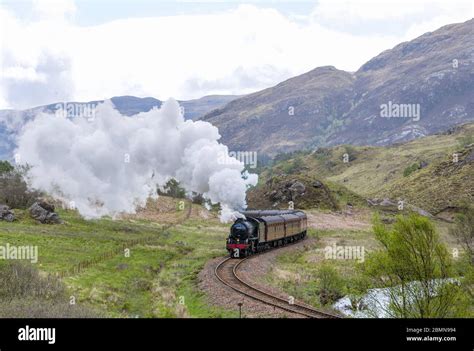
[64, 50]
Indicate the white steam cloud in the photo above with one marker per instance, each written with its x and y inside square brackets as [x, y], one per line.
[113, 163]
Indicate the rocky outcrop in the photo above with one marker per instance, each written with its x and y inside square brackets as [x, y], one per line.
[386, 204]
[290, 191]
[44, 212]
[6, 214]
[301, 191]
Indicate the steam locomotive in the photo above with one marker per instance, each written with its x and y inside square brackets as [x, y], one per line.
[262, 230]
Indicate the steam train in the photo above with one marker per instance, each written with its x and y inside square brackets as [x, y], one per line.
[262, 230]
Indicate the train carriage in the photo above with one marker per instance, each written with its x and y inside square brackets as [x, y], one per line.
[263, 229]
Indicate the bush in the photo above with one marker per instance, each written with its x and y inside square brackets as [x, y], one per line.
[20, 280]
[410, 169]
[5, 167]
[173, 189]
[41, 308]
[351, 152]
[294, 166]
[24, 293]
[289, 155]
[463, 231]
[197, 199]
[14, 190]
[331, 285]
[356, 288]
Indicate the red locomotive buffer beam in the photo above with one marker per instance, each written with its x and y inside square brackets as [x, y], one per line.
[237, 246]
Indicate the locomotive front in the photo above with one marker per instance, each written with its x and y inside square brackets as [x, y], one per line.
[241, 238]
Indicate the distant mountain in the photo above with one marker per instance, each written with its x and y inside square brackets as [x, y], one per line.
[11, 121]
[433, 73]
[194, 109]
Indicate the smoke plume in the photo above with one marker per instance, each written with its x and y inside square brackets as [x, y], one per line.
[112, 163]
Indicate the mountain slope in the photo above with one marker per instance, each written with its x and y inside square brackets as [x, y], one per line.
[422, 172]
[335, 107]
[280, 118]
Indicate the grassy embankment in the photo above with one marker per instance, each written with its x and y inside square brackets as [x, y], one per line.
[157, 280]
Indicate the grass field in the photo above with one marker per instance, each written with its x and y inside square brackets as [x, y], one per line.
[158, 279]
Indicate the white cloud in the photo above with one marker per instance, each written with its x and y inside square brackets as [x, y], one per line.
[408, 18]
[113, 163]
[242, 80]
[355, 10]
[188, 56]
[54, 9]
[34, 67]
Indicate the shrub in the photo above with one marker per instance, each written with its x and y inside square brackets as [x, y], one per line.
[294, 166]
[463, 231]
[351, 152]
[14, 190]
[410, 169]
[20, 280]
[41, 308]
[25, 293]
[173, 189]
[331, 285]
[5, 167]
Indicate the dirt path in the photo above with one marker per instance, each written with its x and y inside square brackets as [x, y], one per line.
[345, 220]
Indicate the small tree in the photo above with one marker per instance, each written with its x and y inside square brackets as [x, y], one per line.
[14, 191]
[463, 231]
[330, 285]
[416, 267]
[5, 167]
[172, 188]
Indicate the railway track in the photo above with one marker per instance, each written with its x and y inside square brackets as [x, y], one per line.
[227, 272]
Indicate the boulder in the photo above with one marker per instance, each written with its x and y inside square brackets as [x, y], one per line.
[420, 211]
[44, 213]
[48, 207]
[297, 188]
[470, 158]
[288, 191]
[372, 202]
[384, 204]
[423, 164]
[387, 203]
[6, 214]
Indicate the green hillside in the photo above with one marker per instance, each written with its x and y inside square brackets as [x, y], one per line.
[157, 279]
[422, 172]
